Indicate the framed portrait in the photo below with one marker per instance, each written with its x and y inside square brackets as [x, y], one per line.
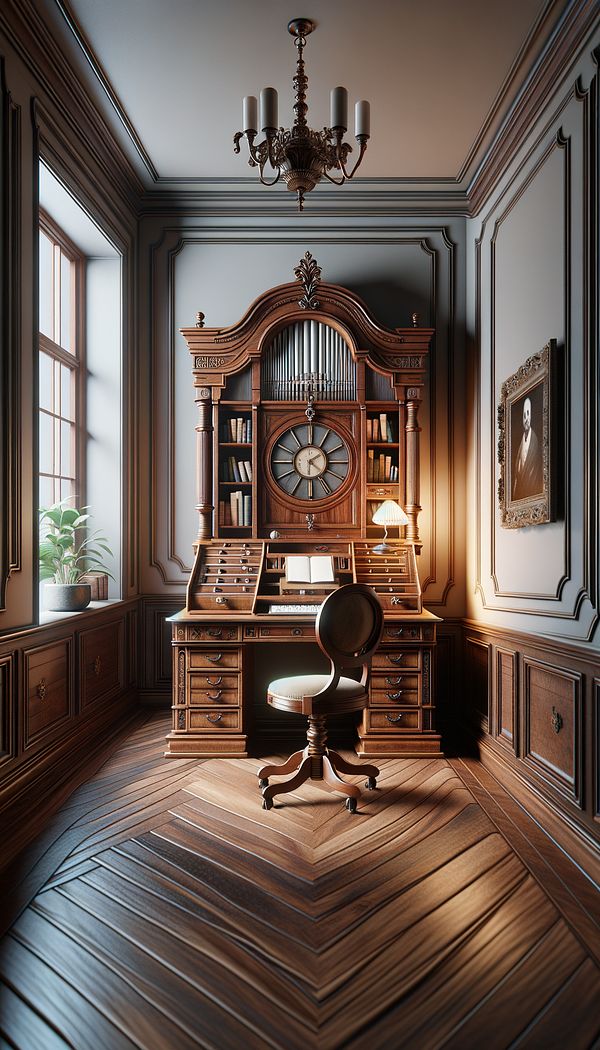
[526, 439]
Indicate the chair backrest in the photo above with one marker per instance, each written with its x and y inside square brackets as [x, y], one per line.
[349, 625]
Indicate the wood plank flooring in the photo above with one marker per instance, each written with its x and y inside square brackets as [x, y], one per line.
[169, 910]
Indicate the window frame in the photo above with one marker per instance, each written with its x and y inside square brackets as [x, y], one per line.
[73, 359]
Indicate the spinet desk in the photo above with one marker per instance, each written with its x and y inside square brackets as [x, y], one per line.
[215, 636]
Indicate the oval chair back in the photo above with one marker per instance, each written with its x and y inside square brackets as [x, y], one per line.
[349, 625]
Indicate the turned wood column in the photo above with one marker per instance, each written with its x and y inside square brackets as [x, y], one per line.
[204, 472]
[413, 430]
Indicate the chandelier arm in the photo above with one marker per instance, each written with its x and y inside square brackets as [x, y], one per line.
[336, 182]
[363, 146]
[273, 181]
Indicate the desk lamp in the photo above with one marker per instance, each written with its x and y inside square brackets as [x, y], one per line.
[389, 513]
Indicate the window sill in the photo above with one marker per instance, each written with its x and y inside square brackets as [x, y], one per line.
[47, 618]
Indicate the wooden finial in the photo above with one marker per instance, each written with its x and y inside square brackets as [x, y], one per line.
[415, 320]
[199, 319]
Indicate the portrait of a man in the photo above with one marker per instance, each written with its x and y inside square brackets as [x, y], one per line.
[527, 477]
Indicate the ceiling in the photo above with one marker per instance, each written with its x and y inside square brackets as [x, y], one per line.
[440, 75]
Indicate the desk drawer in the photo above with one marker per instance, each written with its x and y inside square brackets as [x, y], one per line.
[398, 721]
[398, 695]
[401, 659]
[287, 631]
[213, 658]
[217, 695]
[216, 721]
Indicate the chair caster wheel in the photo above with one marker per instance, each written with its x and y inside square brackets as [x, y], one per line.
[351, 805]
[263, 782]
[267, 803]
[371, 784]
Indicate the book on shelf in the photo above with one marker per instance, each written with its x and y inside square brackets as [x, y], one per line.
[388, 468]
[247, 509]
[370, 464]
[390, 435]
[312, 568]
[383, 426]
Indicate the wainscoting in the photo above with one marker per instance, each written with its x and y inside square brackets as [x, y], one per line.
[533, 704]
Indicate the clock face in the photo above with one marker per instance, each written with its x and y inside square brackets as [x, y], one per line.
[310, 461]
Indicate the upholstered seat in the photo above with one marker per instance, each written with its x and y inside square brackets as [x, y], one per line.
[348, 629]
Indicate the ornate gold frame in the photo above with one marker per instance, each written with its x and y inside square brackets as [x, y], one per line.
[528, 500]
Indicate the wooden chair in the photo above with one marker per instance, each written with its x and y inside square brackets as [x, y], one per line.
[348, 628]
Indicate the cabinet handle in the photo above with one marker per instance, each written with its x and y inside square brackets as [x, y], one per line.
[41, 689]
[217, 681]
[395, 696]
[396, 659]
[214, 632]
[97, 666]
[397, 633]
[214, 657]
[214, 718]
[556, 719]
[393, 681]
[394, 718]
[215, 696]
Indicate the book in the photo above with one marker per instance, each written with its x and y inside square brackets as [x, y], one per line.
[247, 513]
[388, 468]
[383, 426]
[315, 568]
[370, 465]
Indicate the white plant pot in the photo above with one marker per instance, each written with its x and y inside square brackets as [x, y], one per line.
[67, 597]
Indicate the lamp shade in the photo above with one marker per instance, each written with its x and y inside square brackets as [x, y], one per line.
[390, 513]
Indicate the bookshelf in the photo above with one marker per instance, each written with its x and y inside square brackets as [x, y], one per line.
[382, 459]
[235, 469]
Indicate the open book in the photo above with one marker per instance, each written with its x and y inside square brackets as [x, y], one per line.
[314, 568]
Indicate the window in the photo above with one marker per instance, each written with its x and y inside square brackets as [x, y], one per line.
[61, 398]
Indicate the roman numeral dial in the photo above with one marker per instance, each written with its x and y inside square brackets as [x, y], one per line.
[310, 461]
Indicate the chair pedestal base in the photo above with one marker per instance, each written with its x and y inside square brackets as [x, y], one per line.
[315, 762]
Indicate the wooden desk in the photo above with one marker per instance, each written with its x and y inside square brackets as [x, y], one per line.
[212, 675]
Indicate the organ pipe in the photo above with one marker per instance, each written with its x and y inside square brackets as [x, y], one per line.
[308, 352]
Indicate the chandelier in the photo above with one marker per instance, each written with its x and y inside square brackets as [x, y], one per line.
[300, 156]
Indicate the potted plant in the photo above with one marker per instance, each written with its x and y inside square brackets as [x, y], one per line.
[66, 554]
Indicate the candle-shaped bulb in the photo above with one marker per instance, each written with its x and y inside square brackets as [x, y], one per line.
[249, 114]
[339, 108]
[268, 108]
[362, 119]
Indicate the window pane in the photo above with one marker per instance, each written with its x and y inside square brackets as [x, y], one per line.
[45, 285]
[65, 448]
[66, 488]
[46, 428]
[66, 404]
[46, 492]
[45, 381]
[65, 302]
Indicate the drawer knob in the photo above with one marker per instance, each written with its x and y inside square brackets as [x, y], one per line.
[556, 719]
[214, 718]
[393, 681]
[394, 718]
[215, 696]
[97, 666]
[214, 657]
[394, 696]
[215, 681]
[41, 689]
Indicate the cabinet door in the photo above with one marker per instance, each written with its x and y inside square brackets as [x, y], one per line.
[101, 662]
[47, 689]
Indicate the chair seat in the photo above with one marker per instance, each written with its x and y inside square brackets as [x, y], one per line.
[287, 693]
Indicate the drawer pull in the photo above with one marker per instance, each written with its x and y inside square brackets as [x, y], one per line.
[394, 718]
[97, 666]
[394, 696]
[41, 689]
[217, 681]
[393, 681]
[214, 632]
[214, 718]
[297, 632]
[556, 719]
[396, 659]
[214, 657]
[397, 633]
[215, 696]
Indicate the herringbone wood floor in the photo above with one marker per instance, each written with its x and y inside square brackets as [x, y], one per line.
[169, 910]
